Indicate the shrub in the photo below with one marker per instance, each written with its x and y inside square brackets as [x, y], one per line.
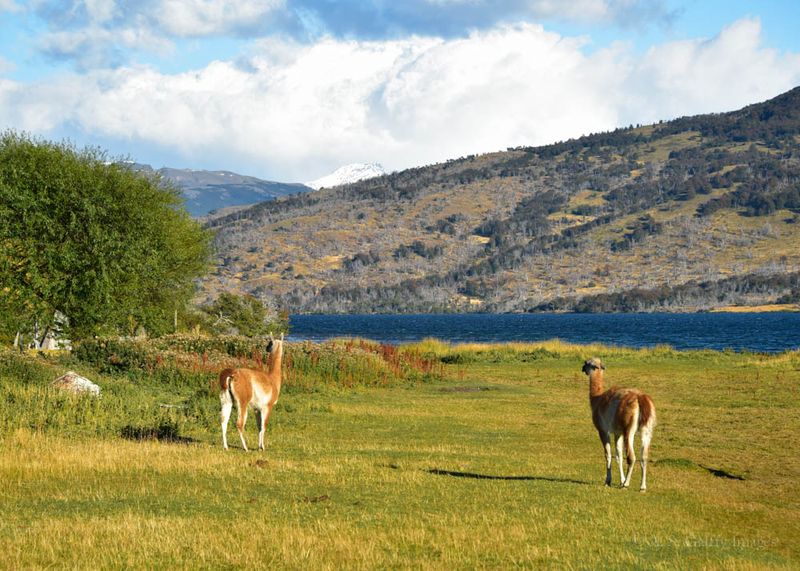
[191, 361]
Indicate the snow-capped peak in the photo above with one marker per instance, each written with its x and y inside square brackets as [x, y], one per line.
[348, 174]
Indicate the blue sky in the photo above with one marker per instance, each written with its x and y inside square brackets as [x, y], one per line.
[292, 89]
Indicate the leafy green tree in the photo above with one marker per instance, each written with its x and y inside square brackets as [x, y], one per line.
[243, 315]
[110, 248]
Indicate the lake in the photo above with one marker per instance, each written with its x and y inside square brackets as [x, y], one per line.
[762, 332]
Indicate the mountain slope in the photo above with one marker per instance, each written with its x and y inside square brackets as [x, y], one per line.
[708, 199]
[206, 191]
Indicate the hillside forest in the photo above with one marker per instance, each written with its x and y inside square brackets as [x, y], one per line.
[689, 214]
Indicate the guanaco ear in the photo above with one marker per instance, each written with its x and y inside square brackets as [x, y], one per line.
[271, 338]
[281, 337]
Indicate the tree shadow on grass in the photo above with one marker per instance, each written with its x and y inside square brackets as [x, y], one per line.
[670, 462]
[691, 464]
[164, 432]
[722, 473]
[474, 476]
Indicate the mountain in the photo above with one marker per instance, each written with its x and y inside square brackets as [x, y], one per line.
[209, 191]
[689, 214]
[348, 174]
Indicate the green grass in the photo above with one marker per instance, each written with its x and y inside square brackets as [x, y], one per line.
[495, 466]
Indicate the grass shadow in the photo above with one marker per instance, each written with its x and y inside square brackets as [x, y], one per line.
[474, 476]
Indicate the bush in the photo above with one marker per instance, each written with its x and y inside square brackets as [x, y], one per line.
[497, 354]
[191, 361]
[165, 389]
[122, 355]
[241, 315]
[354, 362]
[84, 246]
[29, 402]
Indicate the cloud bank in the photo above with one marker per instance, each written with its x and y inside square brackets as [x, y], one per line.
[295, 111]
[107, 33]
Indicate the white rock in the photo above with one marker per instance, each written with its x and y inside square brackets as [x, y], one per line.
[72, 381]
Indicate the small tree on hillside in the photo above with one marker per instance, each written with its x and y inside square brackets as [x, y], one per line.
[110, 248]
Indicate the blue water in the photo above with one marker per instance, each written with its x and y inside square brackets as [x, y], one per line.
[761, 332]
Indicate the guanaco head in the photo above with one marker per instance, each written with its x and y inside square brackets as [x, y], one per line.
[274, 343]
[591, 364]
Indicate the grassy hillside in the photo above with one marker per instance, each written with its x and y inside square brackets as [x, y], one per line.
[494, 466]
[645, 210]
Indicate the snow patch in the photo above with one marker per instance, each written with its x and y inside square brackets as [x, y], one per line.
[347, 174]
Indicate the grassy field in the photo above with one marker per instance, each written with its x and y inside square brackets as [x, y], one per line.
[490, 463]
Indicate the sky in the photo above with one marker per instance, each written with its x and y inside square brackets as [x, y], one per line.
[289, 90]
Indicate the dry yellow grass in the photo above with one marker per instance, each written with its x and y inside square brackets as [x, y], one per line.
[758, 308]
[662, 148]
[498, 467]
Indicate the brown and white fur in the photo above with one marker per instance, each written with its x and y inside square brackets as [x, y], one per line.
[619, 413]
[251, 388]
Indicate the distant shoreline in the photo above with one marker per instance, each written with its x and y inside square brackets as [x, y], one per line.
[766, 308]
[775, 307]
[766, 331]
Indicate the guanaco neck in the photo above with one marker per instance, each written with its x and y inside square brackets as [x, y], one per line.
[275, 360]
[596, 384]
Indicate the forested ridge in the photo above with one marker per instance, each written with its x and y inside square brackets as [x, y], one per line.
[674, 216]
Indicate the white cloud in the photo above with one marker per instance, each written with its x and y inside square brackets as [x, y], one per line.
[98, 33]
[98, 47]
[104, 33]
[192, 18]
[100, 10]
[492, 90]
[702, 76]
[9, 6]
[295, 111]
